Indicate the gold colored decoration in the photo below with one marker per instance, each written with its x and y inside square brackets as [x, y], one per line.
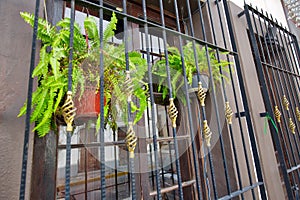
[131, 140]
[277, 114]
[285, 102]
[201, 94]
[207, 133]
[292, 126]
[128, 86]
[228, 112]
[173, 112]
[69, 111]
[298, 113]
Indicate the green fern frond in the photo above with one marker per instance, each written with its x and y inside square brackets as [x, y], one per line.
[111, 27]
[38, 108]
[45, 30]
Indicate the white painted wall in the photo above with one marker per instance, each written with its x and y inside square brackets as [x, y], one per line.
[273, 7]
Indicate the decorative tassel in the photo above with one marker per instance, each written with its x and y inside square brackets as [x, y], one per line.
[173, 112]
[298, 114]
[228, 112]
[201, 94]
[277, 114]
[207, 133]
[285, 102]
[131, 140]
[69, 111]
[292, 126]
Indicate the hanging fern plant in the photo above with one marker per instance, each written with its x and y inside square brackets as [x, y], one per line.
[52, 71]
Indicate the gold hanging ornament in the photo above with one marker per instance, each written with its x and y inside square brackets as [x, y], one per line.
[201, 94]
[298, 114]
[228, 112]
[173, 112]
[128, 86]
[130, 140]
[207, 133]
[69, 111]
[285, 102]
[277, 114]
[292, 126]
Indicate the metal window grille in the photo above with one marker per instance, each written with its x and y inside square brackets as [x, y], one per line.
[197, 156]
[276, 54]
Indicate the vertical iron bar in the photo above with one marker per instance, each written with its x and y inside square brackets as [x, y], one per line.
[101, 131]
[69, 133]
[153, 118]
[190, 119]
[170, 150]
[131, 158]
[268, 107]
[245, 103]
[180, 191]
[150, 149]
[116, 166]
[212, 171]
[29, 102]
[85, 164]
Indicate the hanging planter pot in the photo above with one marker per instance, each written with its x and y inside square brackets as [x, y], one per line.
[88, 105]
[204, 78]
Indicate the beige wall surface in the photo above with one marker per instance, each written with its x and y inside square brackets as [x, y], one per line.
[15, 46]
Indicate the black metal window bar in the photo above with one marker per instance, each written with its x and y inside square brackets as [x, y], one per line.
[195, 154]
[276, 54]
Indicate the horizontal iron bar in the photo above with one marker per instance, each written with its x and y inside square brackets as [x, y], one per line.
[293, 168]
[283, 70]
[168, 139]
[238, 192]
[62, 187]
[174, 187]
[142, 21]
[122, 142]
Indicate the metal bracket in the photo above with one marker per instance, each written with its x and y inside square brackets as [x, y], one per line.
[264, 114]
[241, 13]
[240, 114]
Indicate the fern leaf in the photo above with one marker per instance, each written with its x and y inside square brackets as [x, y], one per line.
[58, 99]
[44, 28]
[41, 68]
[55, 66]
[92, 30]
[111, 27]
[48, 113]
[38, 108]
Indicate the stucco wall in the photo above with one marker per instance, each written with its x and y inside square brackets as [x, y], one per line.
[15, 45]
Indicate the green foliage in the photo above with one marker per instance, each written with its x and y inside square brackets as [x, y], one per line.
[52, 71]
[175, 66]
